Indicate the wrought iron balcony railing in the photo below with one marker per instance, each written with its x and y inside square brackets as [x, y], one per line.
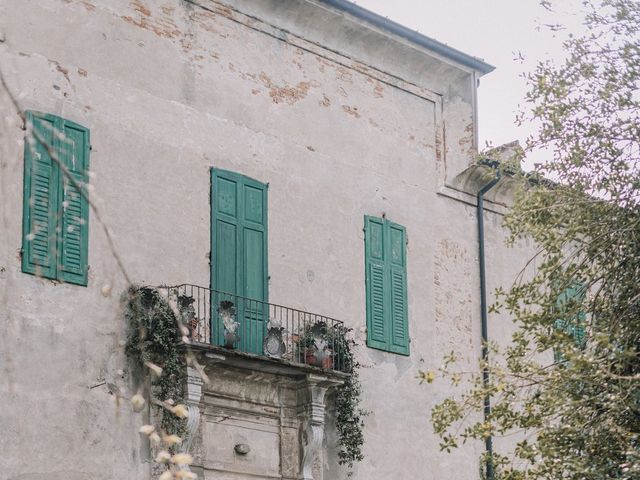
[261, 328]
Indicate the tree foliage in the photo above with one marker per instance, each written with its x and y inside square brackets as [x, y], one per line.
[575, 414]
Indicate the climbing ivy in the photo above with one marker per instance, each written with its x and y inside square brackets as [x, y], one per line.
[349, 414]
[350, 420]
[154, 338]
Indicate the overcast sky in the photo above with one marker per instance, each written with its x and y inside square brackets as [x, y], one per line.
[498, 31]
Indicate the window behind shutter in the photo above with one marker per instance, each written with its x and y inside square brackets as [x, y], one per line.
[386, 285]
[40, 200]
[74, 208]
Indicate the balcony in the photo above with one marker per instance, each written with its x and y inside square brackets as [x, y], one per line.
[258, 330]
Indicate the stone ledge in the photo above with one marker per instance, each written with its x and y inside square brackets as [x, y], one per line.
[212, 354]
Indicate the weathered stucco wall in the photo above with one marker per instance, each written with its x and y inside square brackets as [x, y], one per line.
[340, 119]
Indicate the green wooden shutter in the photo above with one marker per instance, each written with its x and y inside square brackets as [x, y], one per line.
[40, 199]
[255, 315]
[386, 285]
[254, 239]
[239, 252]
[399, 331]
[74, 208]
[377, 293]
[55, 215]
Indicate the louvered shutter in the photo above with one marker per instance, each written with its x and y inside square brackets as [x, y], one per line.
[377, 293]
[40, 201]
[74, 208]
[386, 285]
[399, 338]
[55, 214]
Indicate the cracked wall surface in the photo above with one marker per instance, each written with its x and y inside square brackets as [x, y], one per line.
[342, 120]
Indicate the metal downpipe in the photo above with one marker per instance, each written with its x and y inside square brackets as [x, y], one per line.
[483, 316]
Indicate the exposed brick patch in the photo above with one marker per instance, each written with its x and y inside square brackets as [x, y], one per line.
[162, 26]
[63, 71]
[285, 94]
[140, 7]
[322, 63]
[185, 44]
[344, 75]
[290, 95]
[168, 9]
[325, 102]
[465, 140]
[85, 3]
[377, 90]
[361, 67]
[353, 111]
[205, 19]
[88, 5]
[224, 11]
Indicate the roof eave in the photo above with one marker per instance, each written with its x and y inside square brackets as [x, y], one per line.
[411, 35]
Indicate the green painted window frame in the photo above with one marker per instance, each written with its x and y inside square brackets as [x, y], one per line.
[55, 217]
[386, 285]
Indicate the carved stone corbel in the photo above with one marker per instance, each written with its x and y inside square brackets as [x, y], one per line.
[313, 427]
[192, 400]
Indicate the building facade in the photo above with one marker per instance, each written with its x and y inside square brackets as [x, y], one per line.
[303, 153]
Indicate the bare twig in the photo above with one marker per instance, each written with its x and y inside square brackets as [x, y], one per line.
[70, 178]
